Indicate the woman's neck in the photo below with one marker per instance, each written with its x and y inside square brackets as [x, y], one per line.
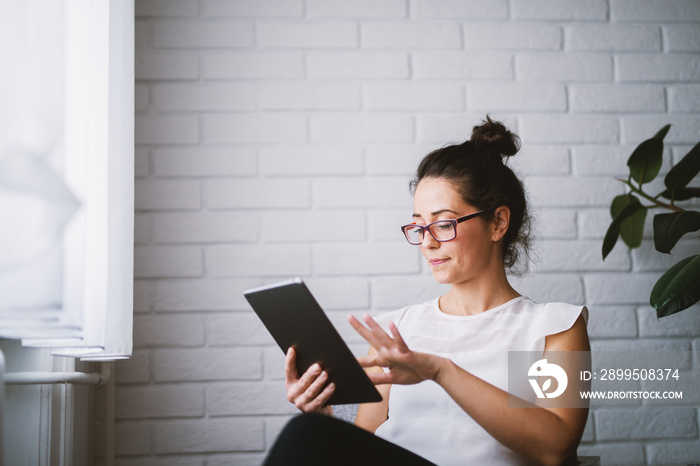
[476, 296]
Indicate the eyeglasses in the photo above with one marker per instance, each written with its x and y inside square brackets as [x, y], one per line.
[442, 230]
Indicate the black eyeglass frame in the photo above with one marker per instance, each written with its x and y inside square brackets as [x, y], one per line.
[453, 221]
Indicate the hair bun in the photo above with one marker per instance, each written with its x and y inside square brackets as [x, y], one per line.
[492, 136]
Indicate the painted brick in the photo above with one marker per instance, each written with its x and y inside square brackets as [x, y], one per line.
[357, 65]
[601, 160]
[142, 229]
[620, 454]
[673, 452]
[237, 329]
[254, 8]
[309, 96]
[168, 330]
[317, 159]
[204, 161]
[166, 129]
[684, 128]
[570, 128]
[593, 223]
[654, 10]
[142, 295]
[609, 288]
[396, 159]
[364, 259]
[132, 438]
[567, 256]
[199, 365]
[617, 99]
[460, 9]
[362, 192]
[509, 97]
[512, 36]
[153, 461]
[410, 35]
[292, 227]
[545, 287]
[462, 65]
[136, 369]
[579, 10]
[239, 459]
[612, 322]
[681, 38]
[249, 399]
[167, 261]
[684, 99]
[258, 261]
[535, 159]
[204, 97]
[162, 8]
[141, 98]
[340, 293]
[556, 223]
[383, 224]
[167, 33]
[257, 128]
[323, 34]
[572, 192]
[161, 401]
[389, 293]
[646, 258]
[165, 65]
[413, 96]
[274, 363]
[658, 68]
[252, 65]
[205, 227]
[449, 129]
[167, 195]
[368, 128]
[564, 67]
[209, 294]
[613, 37]
[646, 423]
[208, 435]
[356, 9]
[253, 193]
[682, 324]
[141, 162]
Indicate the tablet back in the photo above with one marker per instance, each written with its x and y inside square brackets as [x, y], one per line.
[293, 317]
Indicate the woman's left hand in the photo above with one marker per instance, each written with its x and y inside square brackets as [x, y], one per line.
[406, 367]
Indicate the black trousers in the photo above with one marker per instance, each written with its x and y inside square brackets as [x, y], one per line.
[319, 440]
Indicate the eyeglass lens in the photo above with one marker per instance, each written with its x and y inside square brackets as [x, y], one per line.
[441, 231]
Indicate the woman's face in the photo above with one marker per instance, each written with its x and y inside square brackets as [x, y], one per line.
[471, 252]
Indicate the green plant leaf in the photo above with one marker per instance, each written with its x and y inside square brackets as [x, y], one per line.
[632, 227]
[662, 132]
[623, 207]
[678, 288]
[682, 194]
[669, 228]
[683, 172]
[645, 162]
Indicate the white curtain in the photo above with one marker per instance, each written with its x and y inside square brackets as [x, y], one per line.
[66, 175]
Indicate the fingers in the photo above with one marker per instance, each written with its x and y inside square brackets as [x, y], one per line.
[397, 337]
[290, 366]
[308, 393]
[363, 331]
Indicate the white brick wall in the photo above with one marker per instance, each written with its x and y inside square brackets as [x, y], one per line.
[277, 138]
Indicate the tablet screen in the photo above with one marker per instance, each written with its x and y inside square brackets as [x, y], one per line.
[293, 317]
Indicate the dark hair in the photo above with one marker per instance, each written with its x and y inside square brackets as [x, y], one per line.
[477, 169]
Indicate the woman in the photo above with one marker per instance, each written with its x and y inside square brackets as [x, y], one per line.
[441, 366]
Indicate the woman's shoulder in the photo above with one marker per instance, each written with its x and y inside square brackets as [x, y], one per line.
[396, 316]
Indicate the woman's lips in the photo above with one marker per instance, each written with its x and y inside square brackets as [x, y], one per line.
[437, 262]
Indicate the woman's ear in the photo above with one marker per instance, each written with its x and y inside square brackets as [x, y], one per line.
[501, 221]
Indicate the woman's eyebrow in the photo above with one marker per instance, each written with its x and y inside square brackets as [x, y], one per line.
[437, 212]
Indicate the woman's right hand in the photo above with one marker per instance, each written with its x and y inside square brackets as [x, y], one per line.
[307, 392]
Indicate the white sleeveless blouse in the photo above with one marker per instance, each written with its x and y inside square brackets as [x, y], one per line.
[422, 417]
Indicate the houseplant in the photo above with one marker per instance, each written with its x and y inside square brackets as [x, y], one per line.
[679, 287]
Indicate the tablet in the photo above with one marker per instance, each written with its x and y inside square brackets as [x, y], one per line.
[294, 318]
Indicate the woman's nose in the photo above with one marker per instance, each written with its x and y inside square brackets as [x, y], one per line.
[429, 242]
